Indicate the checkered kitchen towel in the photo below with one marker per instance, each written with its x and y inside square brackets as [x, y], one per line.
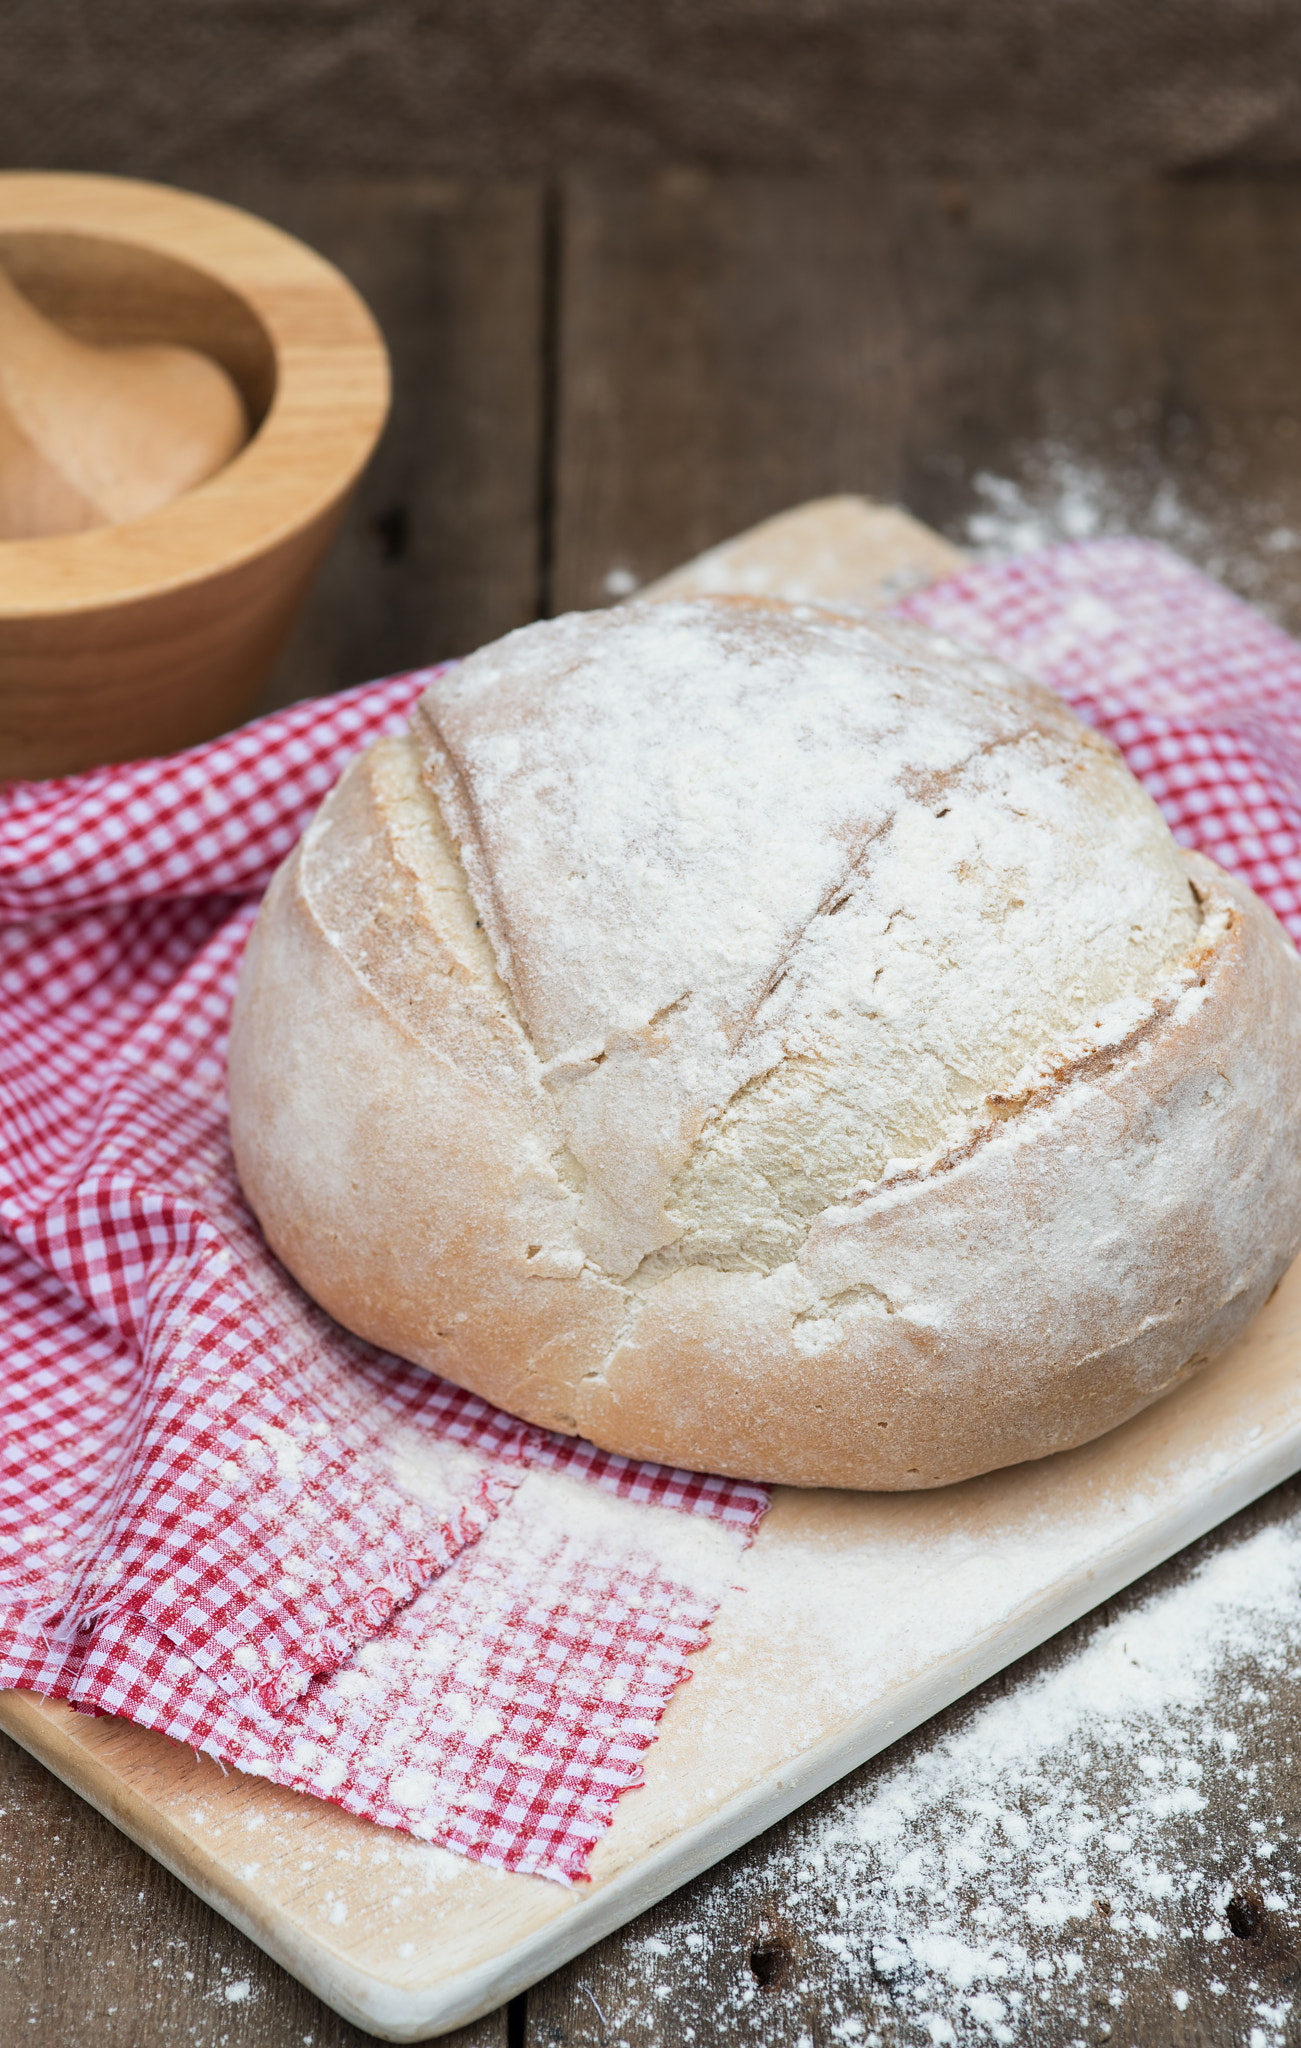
[225, 1518]
[220, 1515]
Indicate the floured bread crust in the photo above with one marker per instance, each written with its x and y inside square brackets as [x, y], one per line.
[774, 1043]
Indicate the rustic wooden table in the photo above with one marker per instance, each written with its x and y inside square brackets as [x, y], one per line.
[602, 380]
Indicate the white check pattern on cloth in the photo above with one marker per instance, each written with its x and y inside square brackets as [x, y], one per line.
[220, 1514]
[225, 1518]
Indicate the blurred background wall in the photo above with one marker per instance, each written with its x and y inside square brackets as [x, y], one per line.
[486, 88]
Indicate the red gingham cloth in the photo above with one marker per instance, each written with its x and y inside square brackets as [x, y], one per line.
[212, 1499]
[225, 1518]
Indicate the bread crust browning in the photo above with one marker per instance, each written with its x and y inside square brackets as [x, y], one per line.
[398, 1152]
[1104, 1227]
[1082, 1256]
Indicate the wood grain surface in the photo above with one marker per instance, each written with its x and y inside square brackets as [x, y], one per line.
[1122, 356]
[852, 1618]
[440, 547]
[749, 1952]
[101, 1948]
[457, 87]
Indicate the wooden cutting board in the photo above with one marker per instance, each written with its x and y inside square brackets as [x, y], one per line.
[855, 1617]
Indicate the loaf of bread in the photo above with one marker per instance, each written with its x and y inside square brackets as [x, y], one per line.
[774, 1042]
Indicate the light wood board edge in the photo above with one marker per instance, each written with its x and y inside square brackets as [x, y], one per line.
[833, 551]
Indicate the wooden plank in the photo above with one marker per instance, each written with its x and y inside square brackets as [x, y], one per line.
[756, 1949]
[1016, 342]
[837, 551]
[439, 551]
[100, 1947]
[1015, 361]
[1122, 357]
[1229, 300]
[920, 83]
[727, 348]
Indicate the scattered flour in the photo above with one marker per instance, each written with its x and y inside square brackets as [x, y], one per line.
[440, 1475]
[1062, 494]
[1063, 1842]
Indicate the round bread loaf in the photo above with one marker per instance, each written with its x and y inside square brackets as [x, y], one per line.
[772, 1042]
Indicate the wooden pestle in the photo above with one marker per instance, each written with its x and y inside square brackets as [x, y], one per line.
[92, 436]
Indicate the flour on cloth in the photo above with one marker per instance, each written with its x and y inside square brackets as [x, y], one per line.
[215, 1501]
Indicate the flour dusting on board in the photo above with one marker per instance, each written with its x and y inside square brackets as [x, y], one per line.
[1059, 1844]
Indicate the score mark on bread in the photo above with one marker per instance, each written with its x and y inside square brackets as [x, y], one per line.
[772, 1042]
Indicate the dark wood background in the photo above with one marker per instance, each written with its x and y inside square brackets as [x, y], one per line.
[485, 88]
[597, 378]
[649, 274]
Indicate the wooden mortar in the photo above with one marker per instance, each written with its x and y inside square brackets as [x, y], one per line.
[147, 636]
